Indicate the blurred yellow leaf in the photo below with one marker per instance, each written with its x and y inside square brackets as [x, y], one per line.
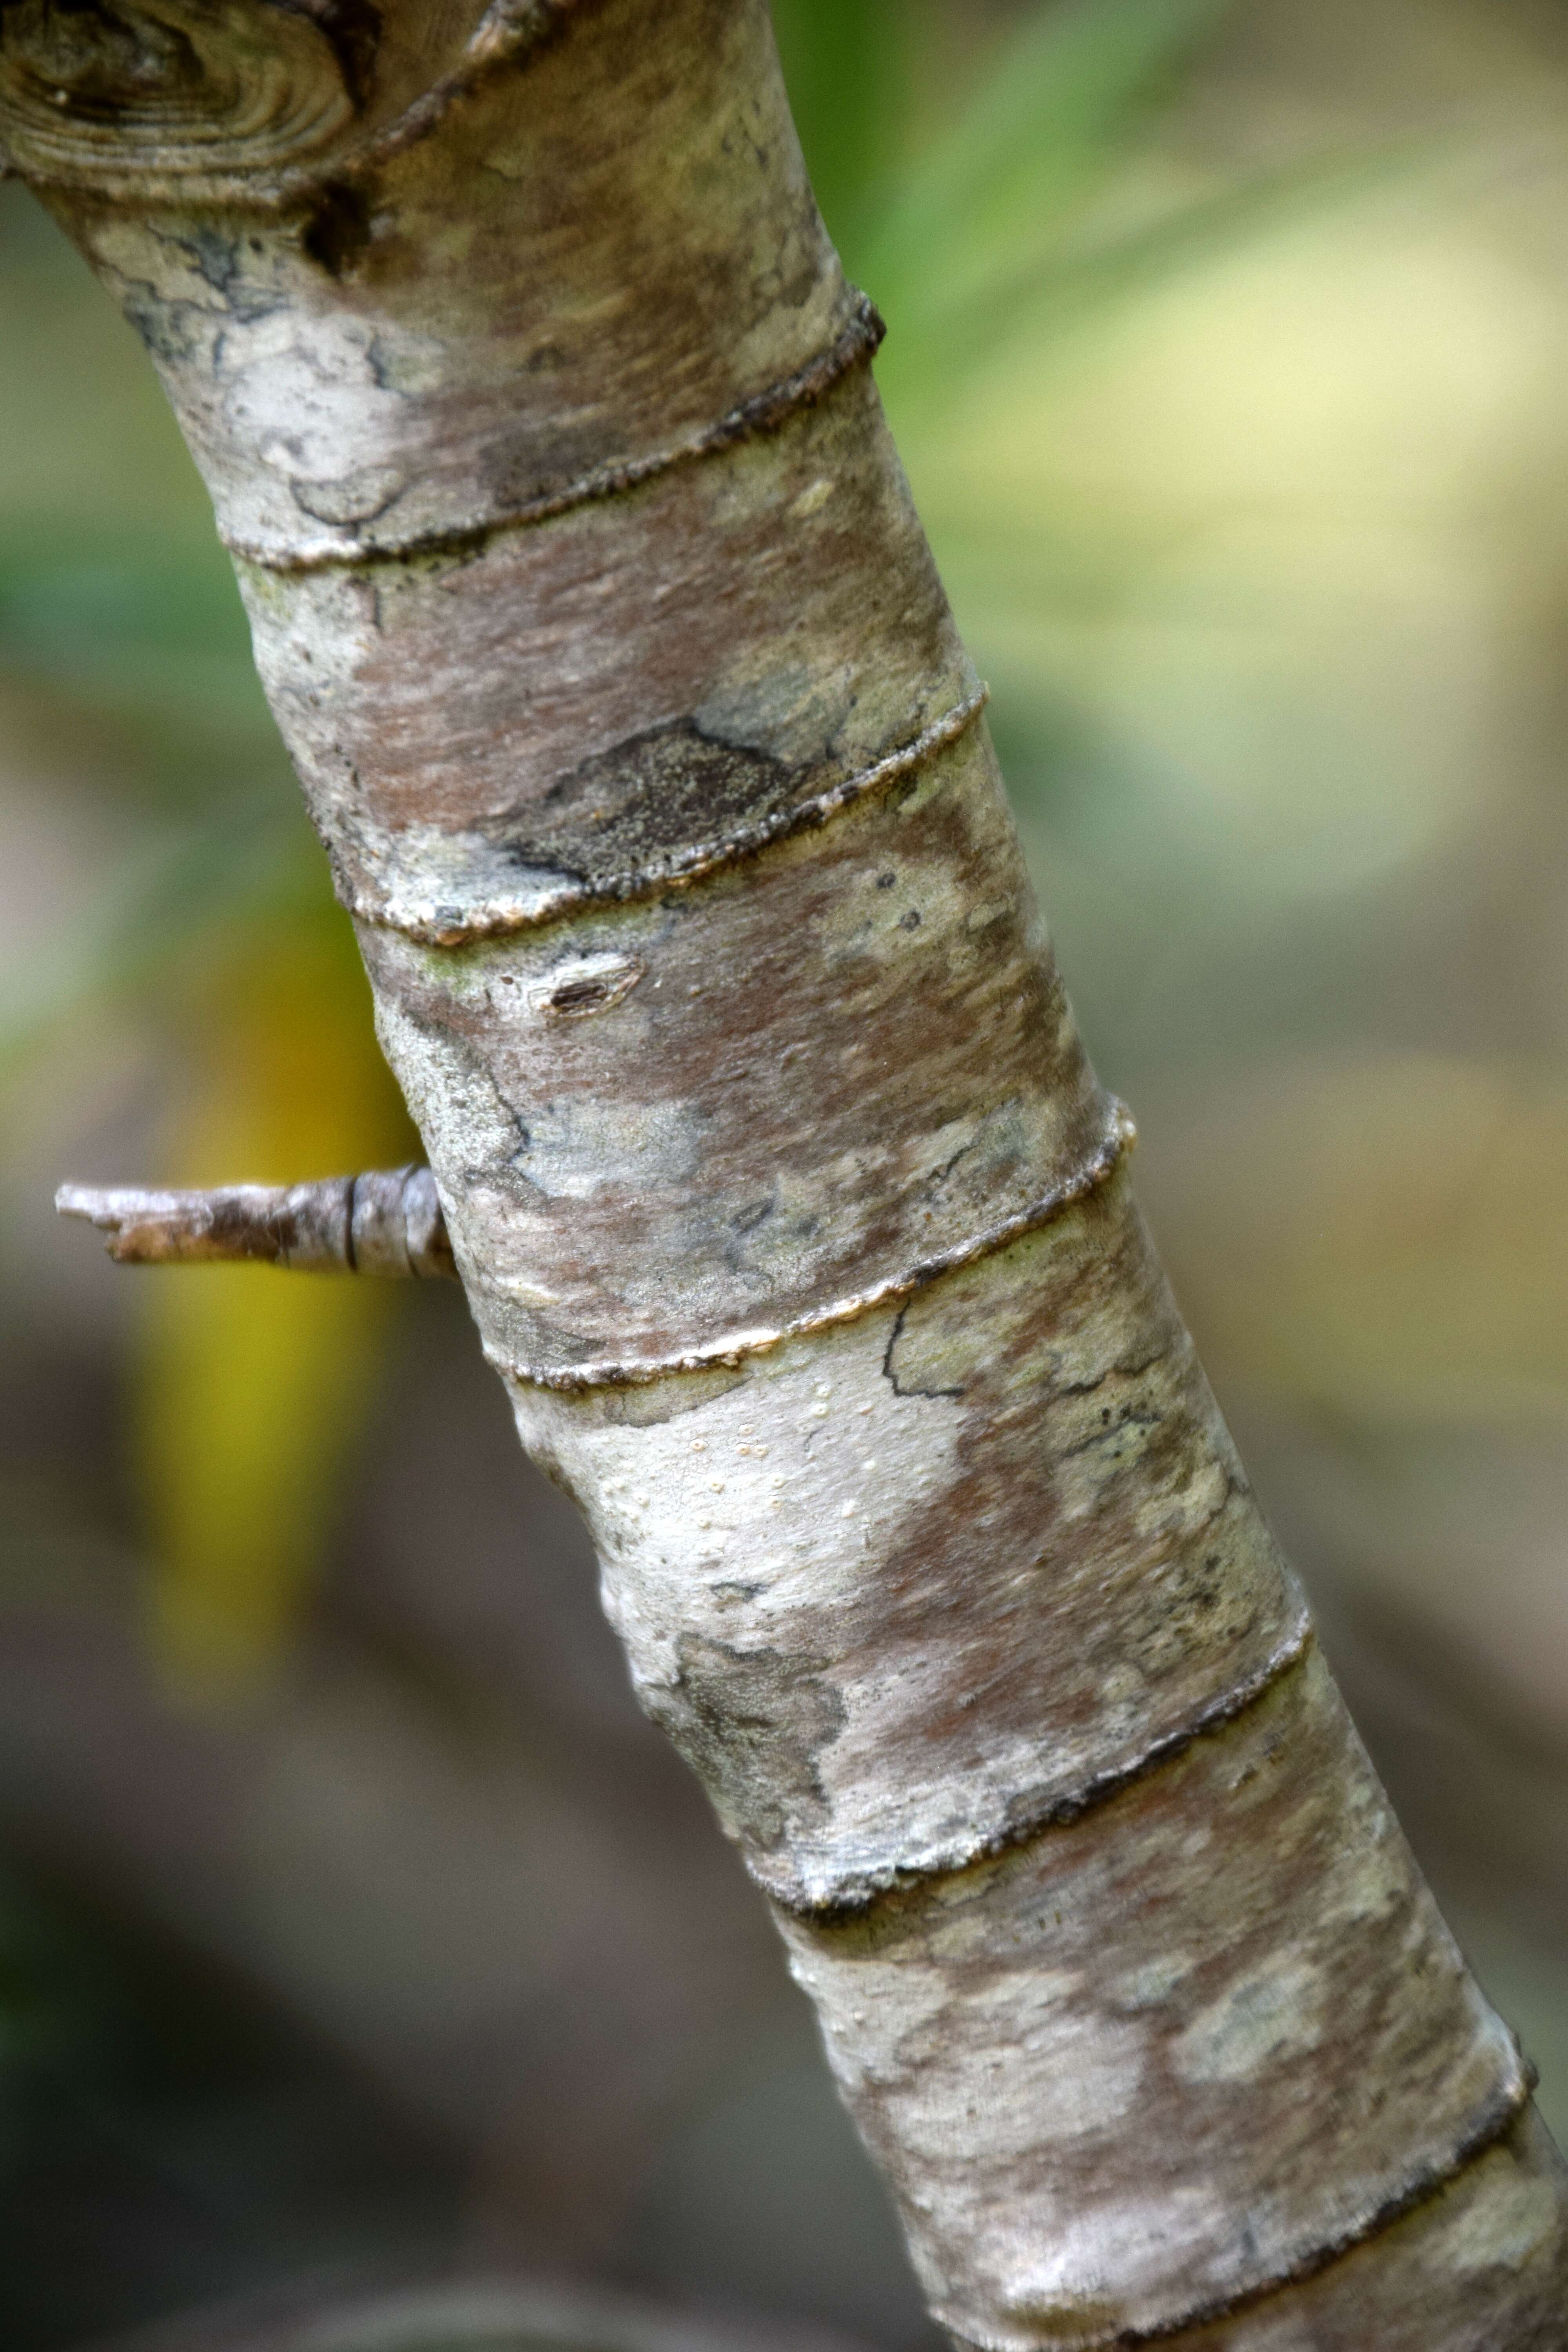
[251, 1384]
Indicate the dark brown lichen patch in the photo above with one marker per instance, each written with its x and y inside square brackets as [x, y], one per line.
[630, 807]
[1122, 1543]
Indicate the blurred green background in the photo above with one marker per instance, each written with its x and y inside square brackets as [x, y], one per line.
[351, 1921]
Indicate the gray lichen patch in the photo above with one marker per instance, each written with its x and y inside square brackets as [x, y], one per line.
[752, 1725]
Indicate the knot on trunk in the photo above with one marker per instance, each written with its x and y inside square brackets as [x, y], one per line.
[91, 88]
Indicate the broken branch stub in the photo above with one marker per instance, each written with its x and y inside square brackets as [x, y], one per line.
[387, 1222]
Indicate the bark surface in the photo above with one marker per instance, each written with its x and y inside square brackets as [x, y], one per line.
[590, 597]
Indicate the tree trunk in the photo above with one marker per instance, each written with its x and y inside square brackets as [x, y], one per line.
[590, 598]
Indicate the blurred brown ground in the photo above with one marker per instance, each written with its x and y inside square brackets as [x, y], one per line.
[351, 1917]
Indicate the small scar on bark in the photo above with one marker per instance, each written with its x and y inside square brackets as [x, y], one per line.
[591, 986]
[338, 231]
[579, 996]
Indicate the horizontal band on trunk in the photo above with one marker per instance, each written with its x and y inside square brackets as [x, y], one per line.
[764, 412]
[1061, 1810]
[760, 1338]
[1429, 2180]
[450, 926]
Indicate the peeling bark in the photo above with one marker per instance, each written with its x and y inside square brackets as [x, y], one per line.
[591, 600]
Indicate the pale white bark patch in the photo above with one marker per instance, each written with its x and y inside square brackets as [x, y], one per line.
[1506, 2224]
[1276, 2012]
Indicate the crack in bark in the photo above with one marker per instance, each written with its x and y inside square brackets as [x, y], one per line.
[764, 411]
[888, 1374]
[1113, 1372]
